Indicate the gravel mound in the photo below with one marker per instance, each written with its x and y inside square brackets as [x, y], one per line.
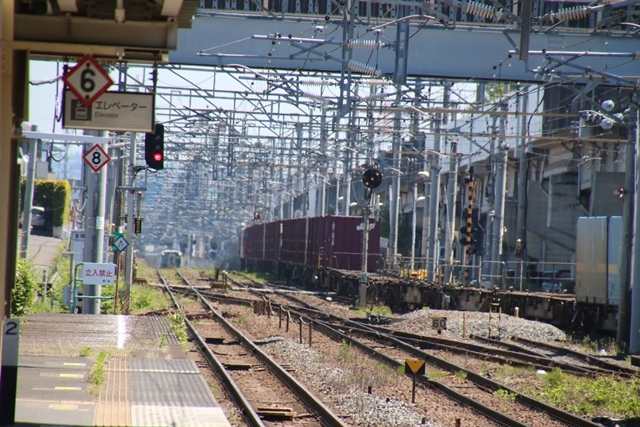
[503, 326]
[357, 408]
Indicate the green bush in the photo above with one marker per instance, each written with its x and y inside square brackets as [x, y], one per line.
[24, 293]
[54, 196]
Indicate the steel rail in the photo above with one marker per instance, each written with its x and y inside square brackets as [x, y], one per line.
[327, 416]
[249, 415]
[583, 356]
[423, 379]
[539, 361]
[499, 356]
[479, 380]
[482, 381]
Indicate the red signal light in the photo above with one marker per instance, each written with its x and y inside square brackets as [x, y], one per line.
[157, 157]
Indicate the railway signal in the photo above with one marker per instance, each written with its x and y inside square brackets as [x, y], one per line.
[372, 178]
[154, 148]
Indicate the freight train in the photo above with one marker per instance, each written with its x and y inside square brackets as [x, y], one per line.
[325, 253]
[302, 248]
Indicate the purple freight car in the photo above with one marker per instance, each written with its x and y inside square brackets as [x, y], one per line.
[330, 241]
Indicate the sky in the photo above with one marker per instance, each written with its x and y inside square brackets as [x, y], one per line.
[44, 106]
[42, 97]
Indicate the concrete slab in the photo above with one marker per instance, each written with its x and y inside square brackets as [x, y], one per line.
[147, 380]
[43, 250]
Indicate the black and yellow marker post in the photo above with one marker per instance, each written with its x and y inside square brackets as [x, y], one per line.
[416, 367]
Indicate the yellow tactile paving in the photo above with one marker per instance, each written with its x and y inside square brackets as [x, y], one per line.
[113, 408]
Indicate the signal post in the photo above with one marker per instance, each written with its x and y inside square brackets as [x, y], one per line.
[372, 178]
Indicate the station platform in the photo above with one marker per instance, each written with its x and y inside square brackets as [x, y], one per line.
[146, 380]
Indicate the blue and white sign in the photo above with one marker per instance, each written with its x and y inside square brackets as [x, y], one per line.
[120, 244]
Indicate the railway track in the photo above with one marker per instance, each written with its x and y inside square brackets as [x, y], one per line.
[264, 392]
[555, 351]
[461, 385]
[514, 353]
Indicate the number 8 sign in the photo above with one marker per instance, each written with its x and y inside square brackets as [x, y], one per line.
[96, 158]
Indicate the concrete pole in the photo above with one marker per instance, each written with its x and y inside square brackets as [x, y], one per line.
[336, 211]
[347, 194]
[413, 225]
[394, 212]
[452, 184]
[634, 342]
[93, 306]
[499, 189]
[95, 184]
[521, 230]
[128, 257]
[28, 197]
[434, 199]
[623, 331]
[90, 217]
[490, 192]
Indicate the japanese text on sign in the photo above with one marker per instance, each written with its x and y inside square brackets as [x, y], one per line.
[98, 274]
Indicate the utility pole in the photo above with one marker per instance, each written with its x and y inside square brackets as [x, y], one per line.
[28, 196]
[394, 212]
[95, 184]
[128, 263]
[499, 194]
[521, 232]
[413, 226]
[623, 331]
[521, 229]
[434, 197]
[634, 341]
[452, 184]
[490, 194]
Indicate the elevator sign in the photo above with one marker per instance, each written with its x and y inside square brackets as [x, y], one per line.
[87, 80]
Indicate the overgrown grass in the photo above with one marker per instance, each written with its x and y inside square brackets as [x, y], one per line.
[97, 374]
[378, 310]
[603, 395]
[176, 321]
[144, 298]
[462, 375]
[345, 352]
[595, 345]
[506, 395]
[436, 374]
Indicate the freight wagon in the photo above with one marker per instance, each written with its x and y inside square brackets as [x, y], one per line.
[299, 248]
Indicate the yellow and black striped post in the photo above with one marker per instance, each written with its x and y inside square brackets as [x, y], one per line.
[468, 235]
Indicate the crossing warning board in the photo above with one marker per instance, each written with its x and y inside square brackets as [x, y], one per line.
[415, 366]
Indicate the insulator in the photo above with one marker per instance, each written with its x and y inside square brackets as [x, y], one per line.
[315, 97]
[479, 9]
[374, 82]
[315, 82]
[364, 44]
[363, 68]
[373, 97]
[572, 13]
